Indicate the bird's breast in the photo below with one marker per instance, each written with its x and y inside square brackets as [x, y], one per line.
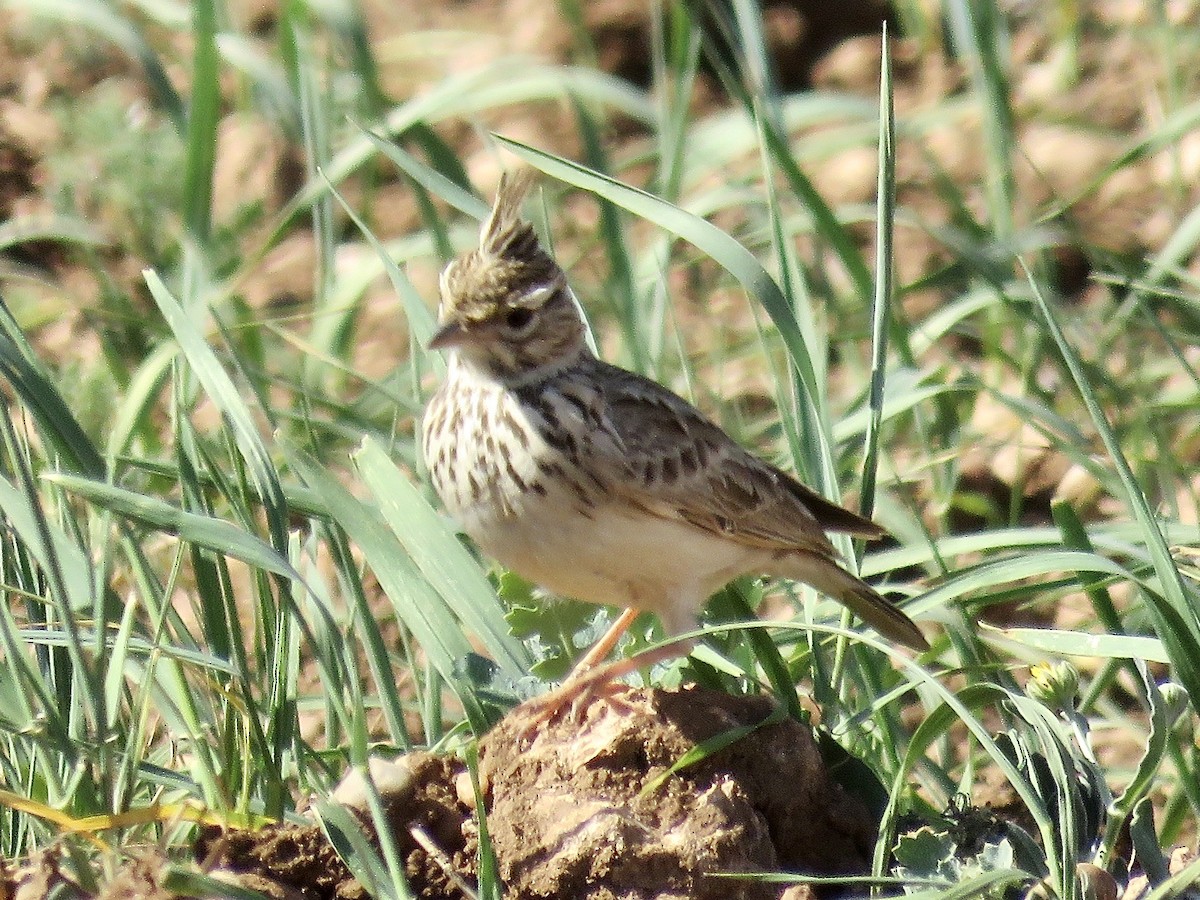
[496, 459]
[519, 471]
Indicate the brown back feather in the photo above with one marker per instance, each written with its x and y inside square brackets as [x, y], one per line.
[678, 464]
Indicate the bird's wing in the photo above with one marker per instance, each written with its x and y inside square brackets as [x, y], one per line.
[675, 463]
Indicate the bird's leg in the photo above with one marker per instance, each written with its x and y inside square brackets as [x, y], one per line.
[591, 680]
[583, 686]
[585, 680]
[605, 645]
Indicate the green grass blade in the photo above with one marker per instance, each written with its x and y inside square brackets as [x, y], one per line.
[825, 222]
[247, 56]
[1173, 606]
[204, 531]
[676, 68]
[731, 255]
[1174, 255]
[980, 37]
[220, 388]
[432, 180]
[1056, 642]
[53, 227]
[753, 56]
[620, 287]
[416, 603]
[57, 424]
[332, 322]
[137, 405]
[104, 20]
[66, 567]
[813, 459]
[884, 293]
[441, 558]
[503, 83]
[203, 115]
[420, 320]
[67, 598]
[368, 628]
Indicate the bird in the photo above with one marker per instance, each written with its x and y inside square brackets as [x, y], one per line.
[599, 484]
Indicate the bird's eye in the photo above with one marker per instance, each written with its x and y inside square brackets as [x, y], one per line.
[518, 319]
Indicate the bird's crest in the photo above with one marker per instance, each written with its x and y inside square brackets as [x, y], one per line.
[504, 234]
[509, 268]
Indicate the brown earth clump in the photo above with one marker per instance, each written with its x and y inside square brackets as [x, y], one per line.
[607, 806]
[588, 809]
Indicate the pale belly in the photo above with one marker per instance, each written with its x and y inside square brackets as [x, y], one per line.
[614, 556]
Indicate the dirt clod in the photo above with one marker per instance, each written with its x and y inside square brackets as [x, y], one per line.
[295, 857]
[426, 819]
[591, 810]
[584, 809]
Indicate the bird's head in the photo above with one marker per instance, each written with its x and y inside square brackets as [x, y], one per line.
[506, 307]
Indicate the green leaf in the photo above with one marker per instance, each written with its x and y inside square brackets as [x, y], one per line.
[60, 557]
[105, 20]
[203, 114]
[430, 179]
[1172, 605]
[505, 82]
[57, 423]
[221, 390]
[713, 745]
[52, 227]
[1162, 720]
[203, 531]
[420, 320]
[417, 604]
[442, 559]
[1077, 643]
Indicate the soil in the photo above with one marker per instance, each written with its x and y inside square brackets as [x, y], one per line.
[583, 810]
[588, 809]
[609, 806]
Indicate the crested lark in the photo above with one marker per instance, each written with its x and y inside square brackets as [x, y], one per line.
[597, 483]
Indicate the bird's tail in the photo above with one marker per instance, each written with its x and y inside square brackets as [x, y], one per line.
[862, 599]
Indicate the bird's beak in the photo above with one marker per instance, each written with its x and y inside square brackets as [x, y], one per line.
[452, 334]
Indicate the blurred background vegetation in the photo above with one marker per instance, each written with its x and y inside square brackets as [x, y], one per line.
[221, 226]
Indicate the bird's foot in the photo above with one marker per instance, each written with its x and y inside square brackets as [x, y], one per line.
[585, 686]
[570, 701]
